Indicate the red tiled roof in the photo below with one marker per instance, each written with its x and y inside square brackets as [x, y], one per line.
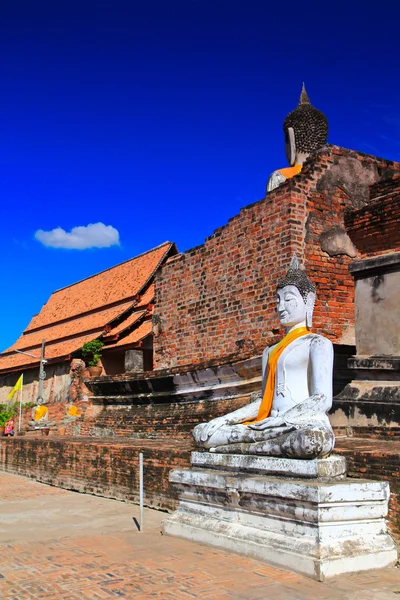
[125, 324]
[85, 310]
[108, 287]
[80, 325]
[136, 335]
[54, 350]
[147, 297]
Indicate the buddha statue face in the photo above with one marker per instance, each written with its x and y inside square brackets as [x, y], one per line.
[291, 307]
[295, 297]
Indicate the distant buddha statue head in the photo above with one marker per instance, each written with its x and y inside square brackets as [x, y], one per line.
[306, 130]
[295, 297]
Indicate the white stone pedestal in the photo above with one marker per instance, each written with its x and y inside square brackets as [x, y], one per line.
[313, 520]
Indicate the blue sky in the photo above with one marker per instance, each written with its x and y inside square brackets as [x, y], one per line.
[162, 118]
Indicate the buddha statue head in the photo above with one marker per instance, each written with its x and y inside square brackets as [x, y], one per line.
[296, 297]
[306, 130]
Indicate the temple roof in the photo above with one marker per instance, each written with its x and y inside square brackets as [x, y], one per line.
[135, 336]
[111, 304]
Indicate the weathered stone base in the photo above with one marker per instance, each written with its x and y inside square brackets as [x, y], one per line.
[321, 468]
[316, 527]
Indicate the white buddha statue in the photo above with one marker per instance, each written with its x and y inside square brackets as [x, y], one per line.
[40, 416]
[289, 418]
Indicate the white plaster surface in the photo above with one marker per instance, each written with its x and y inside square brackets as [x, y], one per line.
[377, 309]
[333, 466]
[316, 527]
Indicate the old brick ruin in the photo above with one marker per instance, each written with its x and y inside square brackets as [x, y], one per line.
[217, 302]
[214, 313]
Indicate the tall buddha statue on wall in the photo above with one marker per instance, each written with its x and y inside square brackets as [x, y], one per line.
[306, 131]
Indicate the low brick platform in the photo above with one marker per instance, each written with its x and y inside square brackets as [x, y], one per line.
[109, 467]
[375, 459]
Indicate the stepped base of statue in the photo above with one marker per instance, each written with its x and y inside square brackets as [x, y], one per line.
[302, 515]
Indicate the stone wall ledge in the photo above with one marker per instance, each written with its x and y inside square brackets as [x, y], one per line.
[53, 441]
[318, 468]
[204, 392]
[224, 381]
[181, 371]
[374, 363]
[380, 264]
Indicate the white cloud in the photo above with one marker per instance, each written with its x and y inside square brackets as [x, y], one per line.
[94, 235]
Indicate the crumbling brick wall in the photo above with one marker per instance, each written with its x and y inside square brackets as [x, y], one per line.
[374, 229]
[216, 302]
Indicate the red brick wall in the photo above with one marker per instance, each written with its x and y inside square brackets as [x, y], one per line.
[325, 206]
[374, 229]
[98, 467]
[378, 460]
[212, 301]
[216, 302]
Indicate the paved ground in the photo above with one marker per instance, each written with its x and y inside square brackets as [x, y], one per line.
[61, 545]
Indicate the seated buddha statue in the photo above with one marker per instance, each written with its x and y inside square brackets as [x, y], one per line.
[73, 413]
[306, 130]
[289, 417]
[40, 416]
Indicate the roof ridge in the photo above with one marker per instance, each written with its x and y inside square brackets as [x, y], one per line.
[113, 267]
[71, 336]
[140, 315]
[93, 311]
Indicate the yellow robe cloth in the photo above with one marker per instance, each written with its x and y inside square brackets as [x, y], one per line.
[290, 172]
[73, 411]
[268, 396]
[40, 412]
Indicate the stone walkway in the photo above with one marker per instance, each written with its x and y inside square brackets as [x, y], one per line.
[62, 545]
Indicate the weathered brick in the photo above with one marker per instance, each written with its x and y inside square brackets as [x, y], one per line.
[216, 302]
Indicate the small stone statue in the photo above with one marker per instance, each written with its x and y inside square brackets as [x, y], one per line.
[40, 416]
[289, 418]
[306, 131]
[72, 414]
[77, 389]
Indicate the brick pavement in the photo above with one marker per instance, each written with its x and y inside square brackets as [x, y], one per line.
[60, 545]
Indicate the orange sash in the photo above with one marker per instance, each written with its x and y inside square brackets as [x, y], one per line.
[40, 412]
[73, 411]
[266, 403]
[290, 172]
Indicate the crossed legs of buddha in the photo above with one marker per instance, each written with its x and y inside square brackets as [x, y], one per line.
[311, 441]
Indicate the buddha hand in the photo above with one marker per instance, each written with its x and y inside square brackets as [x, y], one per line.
[211, 428]
[268, 422]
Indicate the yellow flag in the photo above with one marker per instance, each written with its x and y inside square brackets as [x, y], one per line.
[17, 386]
